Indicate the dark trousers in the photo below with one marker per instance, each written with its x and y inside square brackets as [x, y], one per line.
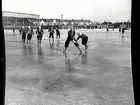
[122, 31]
[23, 37]
[58, 36]
[68, 41]
[84, 41]
[39, 37]
[29, 36]
[51, 35]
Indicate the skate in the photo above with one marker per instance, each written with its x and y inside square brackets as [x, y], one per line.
[86, 47]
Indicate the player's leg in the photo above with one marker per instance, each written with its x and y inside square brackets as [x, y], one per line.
[66, 44]
[65, 50]
[84, 42]
[24, 38]
[49, 36]
[52, 37]
[29, 41]
[28, 38]
[59, 36]
[56, 36]
[38, 39]
[122, 35]
[86, 46]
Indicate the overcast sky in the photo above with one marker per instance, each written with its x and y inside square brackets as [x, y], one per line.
[95, 10]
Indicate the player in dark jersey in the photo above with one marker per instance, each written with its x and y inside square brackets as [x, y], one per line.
[71, 37]
[13, 30]
[20, 31]
[39, 33]
[107, 29]
[113, 28]
[84, 39]
[51, 32]
[57, 33]
[29, 34]
[23, 31]
[123, 30]
[119, 28]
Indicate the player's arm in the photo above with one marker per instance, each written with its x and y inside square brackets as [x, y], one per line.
[74, 37]
[69, 33]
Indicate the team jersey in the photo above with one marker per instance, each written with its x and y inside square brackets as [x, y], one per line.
[83, 36]
[39, 32]
[23, 31]
[57, 32]
[71, 34]
[51, 31]
[30, 31]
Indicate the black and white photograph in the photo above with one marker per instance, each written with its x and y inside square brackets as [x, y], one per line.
[68, 52]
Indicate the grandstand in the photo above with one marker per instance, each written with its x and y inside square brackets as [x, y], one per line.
[16, 19]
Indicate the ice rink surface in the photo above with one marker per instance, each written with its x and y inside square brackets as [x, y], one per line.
[43, 75]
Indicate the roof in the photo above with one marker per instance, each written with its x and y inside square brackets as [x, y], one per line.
[19, 15]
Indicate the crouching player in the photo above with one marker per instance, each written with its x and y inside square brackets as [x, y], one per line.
[84, 39]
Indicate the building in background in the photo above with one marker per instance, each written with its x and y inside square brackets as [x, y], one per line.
[65, 23]
[16, 19]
